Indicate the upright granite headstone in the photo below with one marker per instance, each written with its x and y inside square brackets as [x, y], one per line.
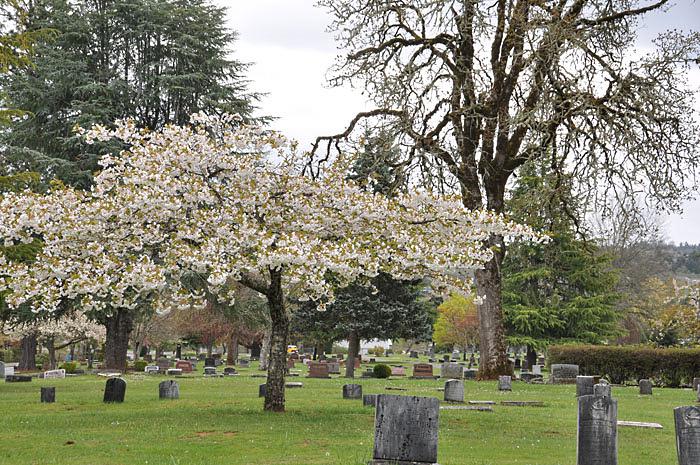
[405, 430]
[584, 386]
[352, 391]
[687, 421]
[184, 365]
[602, 390]
[163, 365]
[151, 369]
[48, 395]
[318, 370]
[369, 400]
[208, 371]
[454, 390]
[262, 390]
[244, 363]
[505, 383]
[597, 431]
[169, 390]
[423, 370]
[536, 369]
[230, 371]
[645, 387]
[696, 383]
[470, 373]
[452, 371]
[398, 371]
[55, 374]
[564, 374]
[209, 362]
[115, 389]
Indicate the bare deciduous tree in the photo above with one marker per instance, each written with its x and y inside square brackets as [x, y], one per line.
[477, 88]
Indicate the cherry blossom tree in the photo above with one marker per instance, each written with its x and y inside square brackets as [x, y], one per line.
[221, 200]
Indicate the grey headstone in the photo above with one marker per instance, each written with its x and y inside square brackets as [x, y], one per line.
[406, 429]
[696, 383]
[470, 373]
[209, 370]
[230, 371]
[369, 400]
[602, 390]
[452, 371]
[505, 383]
[169, 390]
[698, 393]
[115, 390]
[454, 390]
[244, 363]
[529, 377]
[352, 391]
[48, 395]
[537, 369]
[151, 369]
[645, 387]
[2, 370]
[174, 371]
[17, 378]
[597, 431]
[687, 421]
[563, 373]
[262, 390]
[584, 386]
[209, 362]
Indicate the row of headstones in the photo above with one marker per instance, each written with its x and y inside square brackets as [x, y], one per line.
[115, 391]
[406, 430]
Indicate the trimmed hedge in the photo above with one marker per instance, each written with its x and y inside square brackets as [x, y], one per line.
[668, 367]
[382, 371]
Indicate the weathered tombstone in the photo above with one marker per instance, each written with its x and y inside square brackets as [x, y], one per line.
[48, 395]
[115, 389]
[290, 363]
[230, 371]
[244, 363]
[368, 373]
[529, 377]
[262, 390]
[452, 371]
[333, 368]
[369, 400]
[151, 369]
[208, 371]
[405, 430]
[564, 374]
[470, 373]
[645, 387]
[209, 362]
[398, 371]
[352, 391]
[602, 390]
[597, 431]
[454, 390]
[318, 370]
[173, 372]
[536, 369]
[518, 363]
[163, 365]
[55, 374]
[169, 390]
[584, 386]
[696, 383]
[505, 383]
[184, 365]
[423, 370]
[17, 378]
[687, 420]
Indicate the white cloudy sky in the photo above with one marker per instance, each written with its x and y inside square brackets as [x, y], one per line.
[291, 52]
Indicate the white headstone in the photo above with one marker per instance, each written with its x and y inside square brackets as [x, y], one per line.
[55, 374]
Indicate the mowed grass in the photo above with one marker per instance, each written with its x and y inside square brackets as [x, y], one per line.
[220, 421]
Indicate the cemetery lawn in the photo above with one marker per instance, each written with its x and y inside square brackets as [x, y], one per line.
[220, 421]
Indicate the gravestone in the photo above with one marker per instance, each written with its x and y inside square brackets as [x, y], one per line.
[230, 371]
[563, 374]
[536, 369]
[529, 377]
[423, 370]
[318, 370]
[584, 386]
[174, 372]
[115, 389]
[9, 370]
[452, 371]
[163, 365]
[696, 383]
[687, 420]
[645, 387]
[290, 363]
[368, 373]
[48, 395]
[169, 390]
[505, 383]
[454, 390]
[540, 361]
[55, 374]
[602, 390]
[17, 378]
[518, 363]
[414, 354]
[369, 400]
[151, 369]
[333, 367]
[470, 373]
[293, 385]
[405, 430]
[209, 370]
[2, 370]
[597, 431]
[352, 391]
[244, 363]
[698, 393]
[262, 390]
[184, 365]
[209, 362]
[398, 371]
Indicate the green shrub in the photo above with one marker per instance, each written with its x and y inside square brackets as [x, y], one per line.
[382, 371]
[140, 365]
[8, 355]
[669, 367]
[378, 351]
[70, 367]
[340, 350]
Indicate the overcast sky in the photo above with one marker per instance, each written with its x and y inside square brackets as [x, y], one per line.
[291, 53]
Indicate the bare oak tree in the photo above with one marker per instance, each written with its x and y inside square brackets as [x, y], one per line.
[477, 88]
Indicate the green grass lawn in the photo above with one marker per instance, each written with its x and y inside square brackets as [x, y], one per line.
[220, 421]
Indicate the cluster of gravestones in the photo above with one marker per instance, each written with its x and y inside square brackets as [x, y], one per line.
[115, 391]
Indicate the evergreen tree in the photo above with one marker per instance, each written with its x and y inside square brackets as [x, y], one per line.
[563, 290]
[156, 61]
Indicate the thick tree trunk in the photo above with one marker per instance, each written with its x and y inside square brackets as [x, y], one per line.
[492, 342]
[119, 327]
[274, 397]
[52, 353]
[27, 358]
[232, 355]
[137, 346]
[353, 349]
